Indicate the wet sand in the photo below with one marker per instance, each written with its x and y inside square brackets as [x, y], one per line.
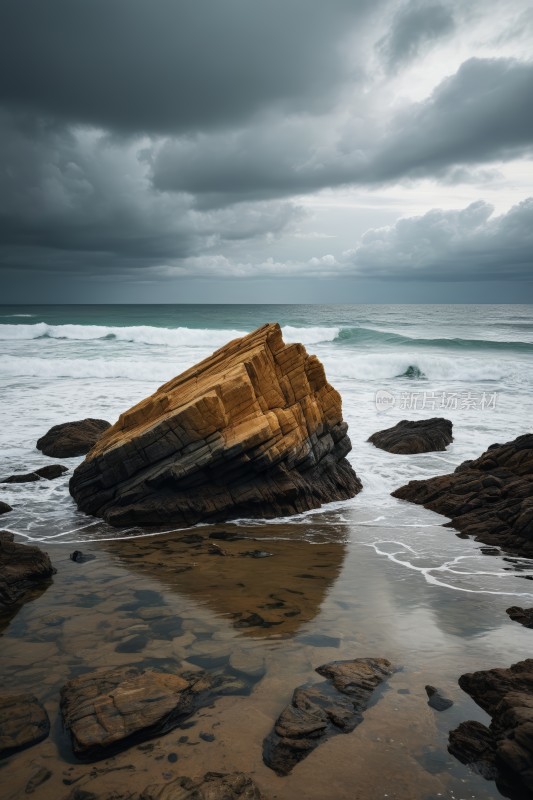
[320, 594]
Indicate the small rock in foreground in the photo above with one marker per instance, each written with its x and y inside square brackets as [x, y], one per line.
[23, 722]
[437, 700]
[72, 438]
[213, 786]
[408, 436]
[323, 710]
[111, 710]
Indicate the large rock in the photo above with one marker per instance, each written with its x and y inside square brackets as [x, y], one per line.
[255, 430]
[22, 568]
[109, 711]
[4, 508]
[72, 438]
[490, 498]
[23, 722]
[317, 712]
[505, 750]
[422, 436]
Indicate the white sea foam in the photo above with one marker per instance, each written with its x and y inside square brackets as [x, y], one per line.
[382, 366]
[147, 334]
[138, 369]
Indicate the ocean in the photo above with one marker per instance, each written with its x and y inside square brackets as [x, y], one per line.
[395, 583]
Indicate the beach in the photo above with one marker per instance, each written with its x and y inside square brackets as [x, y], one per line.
[369, 577]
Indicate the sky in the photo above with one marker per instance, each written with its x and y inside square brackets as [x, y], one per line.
[250, 151]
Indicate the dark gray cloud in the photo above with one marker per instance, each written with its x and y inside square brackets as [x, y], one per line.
[78, 200]
[413, 28]
[468, 245]
[166, 65]
[482, 113]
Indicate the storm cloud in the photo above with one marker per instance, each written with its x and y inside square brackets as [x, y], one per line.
[158, 140]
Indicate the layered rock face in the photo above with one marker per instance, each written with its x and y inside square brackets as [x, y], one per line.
[420, 436]
[255, 430]
[23, 722]
[504, 751]
[490, 498]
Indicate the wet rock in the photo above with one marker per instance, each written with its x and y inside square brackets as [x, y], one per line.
[37, 779]
[505, 749]
[522, 615]
[133, 644]
[206, 737]
[408, 436]
[248, 662]
[225, 536]
[256, 554]
[4, 508]
[437, 699]
[490, 498]
[255, 430]
[48, 472]
[213, 786]
[323, 710]
[23, 723]
[72, 438]
[216, 550]
[81, 558]
[112, 710]
[22, 568]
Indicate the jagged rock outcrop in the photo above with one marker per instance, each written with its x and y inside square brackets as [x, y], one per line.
[72, 438]
[409, 436]
[317, 712]
[49, 473]
[108, 711]
[490, 498]
[23, 722]
[255, 430]
[22, 568]
[505, 750]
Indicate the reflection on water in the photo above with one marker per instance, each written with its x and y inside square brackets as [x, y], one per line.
[263, 586]
[272, 603]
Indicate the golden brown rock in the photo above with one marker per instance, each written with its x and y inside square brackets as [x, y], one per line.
[255, 430]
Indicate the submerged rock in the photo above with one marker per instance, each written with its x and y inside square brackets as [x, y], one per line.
[323, 710]
[522, 615]
[505, 750]
[490, 498]
[22, 568]
[23, 722]
[72, 438]
[255, 430]
[408, 436]
[4, 508]
[437, 700]
[111, 710]
[213, 786]
[49, 472]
